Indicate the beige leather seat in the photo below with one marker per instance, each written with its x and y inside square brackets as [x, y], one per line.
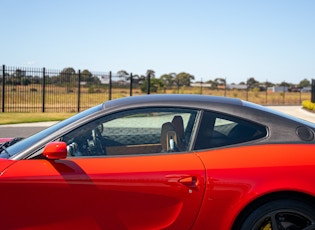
[178, 124]
[173, 136]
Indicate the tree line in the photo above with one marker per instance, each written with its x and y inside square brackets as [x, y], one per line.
[69, 75]
[185, 79]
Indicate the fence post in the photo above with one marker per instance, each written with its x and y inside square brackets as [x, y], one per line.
[224, 87]
[266, 95]
[131, 80]
[201, 86]
[313, 91]
[3, 85]
[110, 86]
[283, 93]
[148, 83]
[247, 90]
[79, 90]
[44, 90]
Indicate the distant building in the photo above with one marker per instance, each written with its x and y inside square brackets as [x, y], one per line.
[306, 89]
[104, 79]
[199, 84]
[233, 86]
[278, 89]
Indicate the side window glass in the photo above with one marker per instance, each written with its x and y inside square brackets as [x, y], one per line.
[139, 131]
[218, 130]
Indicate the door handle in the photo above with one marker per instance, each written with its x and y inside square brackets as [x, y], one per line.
[190, 181]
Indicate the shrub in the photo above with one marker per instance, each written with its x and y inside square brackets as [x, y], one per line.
[91, 89]
[307, 104]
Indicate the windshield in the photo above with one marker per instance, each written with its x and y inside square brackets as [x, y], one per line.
[24, 144]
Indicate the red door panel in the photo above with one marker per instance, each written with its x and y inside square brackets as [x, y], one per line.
[144, 192]
[239, 175]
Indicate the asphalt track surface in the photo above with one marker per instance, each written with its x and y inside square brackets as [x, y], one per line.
[25, 130]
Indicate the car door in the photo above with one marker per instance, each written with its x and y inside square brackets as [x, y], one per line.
[219, 142]
[119, 190]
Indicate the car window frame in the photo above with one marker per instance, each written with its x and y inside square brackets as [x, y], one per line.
[119, 114]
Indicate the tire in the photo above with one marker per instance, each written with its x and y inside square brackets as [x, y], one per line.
[282, 214]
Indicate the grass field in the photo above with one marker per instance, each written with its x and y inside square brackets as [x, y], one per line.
[15, 118]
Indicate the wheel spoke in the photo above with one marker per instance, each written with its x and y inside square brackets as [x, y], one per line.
[274, 222]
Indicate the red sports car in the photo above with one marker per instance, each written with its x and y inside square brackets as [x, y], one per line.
[163, 162]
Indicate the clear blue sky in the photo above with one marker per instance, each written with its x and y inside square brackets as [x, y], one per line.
[270, 40]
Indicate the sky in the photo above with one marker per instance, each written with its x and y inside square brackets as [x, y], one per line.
[269, 40]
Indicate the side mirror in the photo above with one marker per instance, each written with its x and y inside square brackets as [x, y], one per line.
[55, 150]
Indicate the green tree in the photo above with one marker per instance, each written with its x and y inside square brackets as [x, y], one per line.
[252, 83]
[17, 77]
[213, 84]
[25, 81]
[68, 76]
[304, 83]
[35, 80]
[68, 71]
[150, 73]
[269, 84]
[286, 84]
[138, 79]
[88, 77]
[155, 85]
[184, 79]
[219, 82]
[86, 73]
[123, 74]
[167, 80]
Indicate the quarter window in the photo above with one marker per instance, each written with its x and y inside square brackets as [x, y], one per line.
[218, 130]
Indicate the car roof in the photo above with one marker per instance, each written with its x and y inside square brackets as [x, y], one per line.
[222, 104]
[171, 99]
